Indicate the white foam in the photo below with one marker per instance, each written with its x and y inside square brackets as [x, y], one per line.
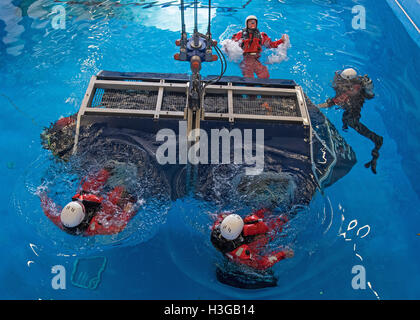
[232, 49]
[279, 54]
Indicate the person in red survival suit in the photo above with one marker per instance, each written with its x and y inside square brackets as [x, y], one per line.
[242, 240]
[251, 41]
[89, 213]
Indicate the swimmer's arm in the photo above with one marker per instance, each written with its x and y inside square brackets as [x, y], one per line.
[238, 36]
[269, 260]
[338, 100]
[266, 41]
[96, 181]
[219, 219]
[262, 262]
[113, 227]
[256, 215]
[259, 227]
[328, 104]
[51, 210]
[129, 211]
[261, 212]
[276, 226]
[118, 218]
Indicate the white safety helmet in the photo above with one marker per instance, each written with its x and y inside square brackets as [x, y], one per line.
[250, 18]
[231, 227]
[348, 74]
[73, 214]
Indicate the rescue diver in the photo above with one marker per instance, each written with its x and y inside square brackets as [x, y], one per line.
[242, 240]
[351, 91]
[89, 213]
[251, 40]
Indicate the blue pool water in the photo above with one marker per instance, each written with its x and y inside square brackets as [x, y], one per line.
[44, 75]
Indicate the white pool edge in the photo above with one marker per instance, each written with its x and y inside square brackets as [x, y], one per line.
[405, 16]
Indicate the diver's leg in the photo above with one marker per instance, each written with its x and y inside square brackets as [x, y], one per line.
[247, 68]
[376, 139]
[261, 70]
[346, 118]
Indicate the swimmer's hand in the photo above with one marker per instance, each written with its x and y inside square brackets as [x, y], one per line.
[289, 253]
[283, 40]
[41, 191]
[327, 104]
[323, 105]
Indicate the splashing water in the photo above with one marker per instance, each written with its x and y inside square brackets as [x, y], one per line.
[234, 52]
[232, 49]
[279, 54]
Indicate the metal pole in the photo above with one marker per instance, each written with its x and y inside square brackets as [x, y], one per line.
[182, 17]
[208, 27]
[195, 16]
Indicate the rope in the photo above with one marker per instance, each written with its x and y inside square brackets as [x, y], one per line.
[223, 67]
[19, 110]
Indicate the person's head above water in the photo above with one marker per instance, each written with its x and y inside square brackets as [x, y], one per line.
[348, 74]
[231, 227]
[251, 22]
[73, 214]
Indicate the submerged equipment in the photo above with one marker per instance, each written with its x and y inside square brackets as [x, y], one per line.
[131, 100]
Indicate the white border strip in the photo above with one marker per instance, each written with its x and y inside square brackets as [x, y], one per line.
[409, 18]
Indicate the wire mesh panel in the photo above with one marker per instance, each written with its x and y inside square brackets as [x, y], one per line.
[125, 99]
[270, 105]
[97, 98]
[173, 101]
[169, 99]
[216, 103]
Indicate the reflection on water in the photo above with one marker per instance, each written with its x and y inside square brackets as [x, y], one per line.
[12, 16]
[161, 14]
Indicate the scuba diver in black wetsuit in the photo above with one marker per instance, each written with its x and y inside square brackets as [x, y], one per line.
[351, 91]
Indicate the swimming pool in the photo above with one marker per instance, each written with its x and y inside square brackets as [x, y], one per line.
[45, 71]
